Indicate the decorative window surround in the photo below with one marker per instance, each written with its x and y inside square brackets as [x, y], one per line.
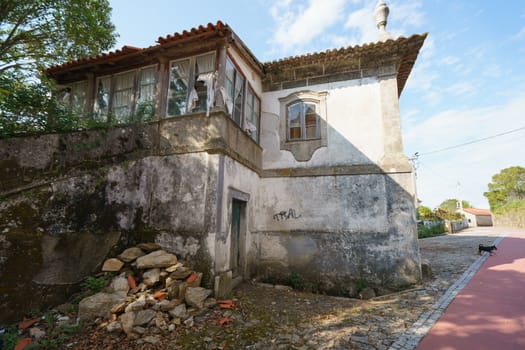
[303, 149]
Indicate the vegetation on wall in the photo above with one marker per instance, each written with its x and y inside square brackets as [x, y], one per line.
[506, 195]
[35, 35]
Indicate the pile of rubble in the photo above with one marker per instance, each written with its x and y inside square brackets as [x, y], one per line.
[153, 293]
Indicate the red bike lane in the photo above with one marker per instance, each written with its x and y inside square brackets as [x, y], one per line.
[489, 313]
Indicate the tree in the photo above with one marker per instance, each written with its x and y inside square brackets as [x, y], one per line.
[507, 186]
[424, 213]
[34, 35]
[38, 33]
[450, 205]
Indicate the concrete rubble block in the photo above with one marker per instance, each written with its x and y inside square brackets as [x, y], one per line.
[178, 311]
[167, 305]
[148, 247]
[143, 317]
[195, 296]
[426, 269]
[177, 290]
[223, 284]
[36, 333]
[173, 268]
[150, 277]
[131, 254]
[112, 265]
[119, 285]
[114, 327]
[137, 305]
[98, 305]
[182, 272]
[367, 293]
[157, 259]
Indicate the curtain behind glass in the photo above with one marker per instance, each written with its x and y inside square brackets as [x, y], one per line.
[123, 97]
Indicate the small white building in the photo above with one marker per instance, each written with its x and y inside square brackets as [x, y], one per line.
[477, 217]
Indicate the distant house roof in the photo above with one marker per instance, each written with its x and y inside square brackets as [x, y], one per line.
[477, 212]
[403, 50]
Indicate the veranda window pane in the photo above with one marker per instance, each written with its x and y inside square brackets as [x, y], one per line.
[238, 99]
[145, 108]
[294, 121]
[255, 119]
[311, 121]
[123, 97]
[78, 97]
[178, 91]
[102, 98]
[204, 64]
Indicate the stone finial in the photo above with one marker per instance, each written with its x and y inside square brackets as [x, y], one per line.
[381, 14]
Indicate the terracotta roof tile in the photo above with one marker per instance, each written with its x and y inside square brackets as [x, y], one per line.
[476, 211]
[125, 50]
[193, 32]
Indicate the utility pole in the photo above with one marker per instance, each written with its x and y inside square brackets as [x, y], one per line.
[414, 161]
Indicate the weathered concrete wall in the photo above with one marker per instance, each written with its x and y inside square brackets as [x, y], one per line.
[69, 200]
[361, 226]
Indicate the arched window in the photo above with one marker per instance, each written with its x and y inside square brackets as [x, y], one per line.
[302, 121]
[303, 126]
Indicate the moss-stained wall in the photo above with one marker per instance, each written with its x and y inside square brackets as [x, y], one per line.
[69, 200]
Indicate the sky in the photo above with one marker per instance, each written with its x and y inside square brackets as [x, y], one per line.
[463, 108]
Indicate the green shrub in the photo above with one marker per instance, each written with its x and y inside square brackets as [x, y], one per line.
[361, 283]
[424, 232]
[9, 339]
[93, 285]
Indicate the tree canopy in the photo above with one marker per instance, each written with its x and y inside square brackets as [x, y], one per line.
[450, 205]
[506, 187]
[35, 35]
[39, 33]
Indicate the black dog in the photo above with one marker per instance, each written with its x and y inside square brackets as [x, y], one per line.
[486, 248]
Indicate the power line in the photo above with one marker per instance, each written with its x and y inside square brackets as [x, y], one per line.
[471, 142]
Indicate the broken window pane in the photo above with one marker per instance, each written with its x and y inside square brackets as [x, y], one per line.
[102, 98]
[178, 89]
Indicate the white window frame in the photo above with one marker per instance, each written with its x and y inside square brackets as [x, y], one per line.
[252, 112]
[191, 79]
[303, 148]
[131, 99]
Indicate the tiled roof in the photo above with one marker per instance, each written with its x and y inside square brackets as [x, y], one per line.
[129, 50]
[405, 49]
[475, 211]
[124, 51]
[193, 32]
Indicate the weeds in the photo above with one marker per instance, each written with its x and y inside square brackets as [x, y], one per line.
[93, 285]
[9, 339]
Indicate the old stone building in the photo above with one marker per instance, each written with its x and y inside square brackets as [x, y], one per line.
[292, 168]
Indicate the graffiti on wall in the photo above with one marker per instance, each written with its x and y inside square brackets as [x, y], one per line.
[286, 215]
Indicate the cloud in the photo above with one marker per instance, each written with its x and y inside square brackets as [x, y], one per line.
[298, 25]
[461, 88]
[449, 60]
[471, 165]
[362, 22]
[519, 35]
